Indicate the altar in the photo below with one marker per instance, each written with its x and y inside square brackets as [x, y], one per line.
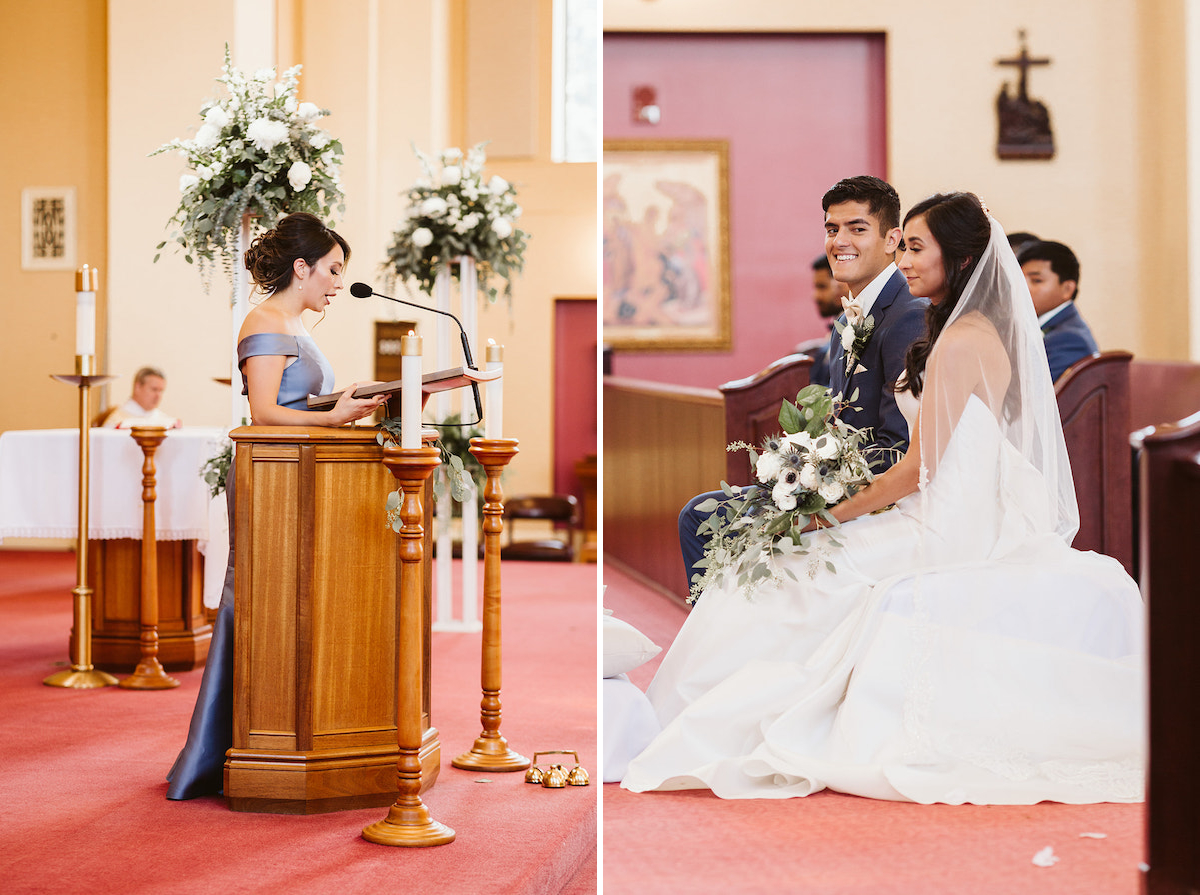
[39, 494]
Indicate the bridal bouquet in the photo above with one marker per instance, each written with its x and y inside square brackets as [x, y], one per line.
[258, 151]
[452, 212]
[816, 463]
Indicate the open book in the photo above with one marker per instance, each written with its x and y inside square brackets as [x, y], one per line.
[440, 381]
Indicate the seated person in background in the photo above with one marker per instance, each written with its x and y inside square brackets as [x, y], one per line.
[827, 296]
[1052, 272]
[1019, 240]
[141, 409]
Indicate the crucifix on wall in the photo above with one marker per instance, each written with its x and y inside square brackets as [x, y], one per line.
[1024, 123]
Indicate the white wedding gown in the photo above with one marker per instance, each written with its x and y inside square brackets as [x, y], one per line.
[961, 652]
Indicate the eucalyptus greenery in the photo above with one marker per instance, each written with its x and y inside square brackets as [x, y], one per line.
[259, 151]
[459, 478]
[215, 470]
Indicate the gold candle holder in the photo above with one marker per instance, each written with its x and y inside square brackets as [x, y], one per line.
[149, 674]
[491, 752]
[408, 822]
[82, 675]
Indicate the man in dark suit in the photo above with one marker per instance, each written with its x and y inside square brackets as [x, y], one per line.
[862, 234]
[1052, 272]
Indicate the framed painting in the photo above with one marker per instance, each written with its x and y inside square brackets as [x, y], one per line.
[48, 228]
[666, 245]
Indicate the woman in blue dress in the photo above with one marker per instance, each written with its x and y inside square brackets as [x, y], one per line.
[299, 266]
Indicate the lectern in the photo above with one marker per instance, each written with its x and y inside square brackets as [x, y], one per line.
[316, 624]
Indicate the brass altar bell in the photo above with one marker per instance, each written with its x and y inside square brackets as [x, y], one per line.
[556, 776]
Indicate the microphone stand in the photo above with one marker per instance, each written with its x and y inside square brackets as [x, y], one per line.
[362, 290]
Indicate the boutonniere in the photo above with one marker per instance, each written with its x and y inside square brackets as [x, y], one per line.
[855, 332]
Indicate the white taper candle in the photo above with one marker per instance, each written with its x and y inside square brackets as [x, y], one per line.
[87, 281]
[410, 391]
[493, 423]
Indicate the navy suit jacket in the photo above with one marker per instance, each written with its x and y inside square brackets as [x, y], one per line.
[1068, 339]
[899, 321]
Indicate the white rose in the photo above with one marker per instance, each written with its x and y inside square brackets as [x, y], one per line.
[847, 338]
[497, 184]
[188, 182]
[800, 439]
[217, 117]
[204, 172]
[266, 133]
[422, 237]
[783, 497]
[809, 478]
[308, 111]
[768, 466]
[299, 175]
[319, 140]
[208, 136]
[434, 207]
[451, 175]
[832, 491]
[502, 228]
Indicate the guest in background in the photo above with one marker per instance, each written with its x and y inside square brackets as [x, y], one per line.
[1020, 239]
[1052, 272]
[827, 296]
[299, 265]
[142, 408]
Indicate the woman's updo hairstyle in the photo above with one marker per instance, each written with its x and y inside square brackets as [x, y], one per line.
[961, 228]
[271, 257]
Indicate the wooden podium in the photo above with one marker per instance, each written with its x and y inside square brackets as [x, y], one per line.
[316, 624]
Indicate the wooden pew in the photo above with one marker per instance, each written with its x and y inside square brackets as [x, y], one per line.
[1163, 392]
[1169, 474]
[1094, 405]
[663, 444]
[752, 408]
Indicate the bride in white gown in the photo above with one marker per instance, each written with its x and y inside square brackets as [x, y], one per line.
[961, 651]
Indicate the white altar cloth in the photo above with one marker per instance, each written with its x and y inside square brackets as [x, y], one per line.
[39, 489]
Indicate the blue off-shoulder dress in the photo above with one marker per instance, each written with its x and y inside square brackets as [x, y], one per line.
[199, 769]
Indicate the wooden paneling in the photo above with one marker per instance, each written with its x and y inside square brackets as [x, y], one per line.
[662, 446]
[316, 631]
[184, 628]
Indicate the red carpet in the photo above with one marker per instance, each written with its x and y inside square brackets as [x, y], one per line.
[837, 844]
[82, 793]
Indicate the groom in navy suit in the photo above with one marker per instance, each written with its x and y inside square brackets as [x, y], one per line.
[862, 234]
[1052, 272]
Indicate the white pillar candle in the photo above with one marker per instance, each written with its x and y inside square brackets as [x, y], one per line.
[410, 391]
[494, 421]
[87, 280]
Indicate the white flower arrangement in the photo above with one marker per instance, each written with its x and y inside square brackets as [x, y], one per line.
[453, 212]
[258, 151]
[818, 463]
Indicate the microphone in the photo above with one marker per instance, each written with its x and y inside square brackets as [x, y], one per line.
[362, 290]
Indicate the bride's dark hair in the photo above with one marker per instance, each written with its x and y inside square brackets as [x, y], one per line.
[271, 257]
[960, 226]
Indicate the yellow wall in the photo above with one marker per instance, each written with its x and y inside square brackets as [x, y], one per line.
[392, 73]
[53, 70]
[1116, 190]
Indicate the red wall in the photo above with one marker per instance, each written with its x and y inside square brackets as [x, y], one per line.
[800, 111]
[575, 406]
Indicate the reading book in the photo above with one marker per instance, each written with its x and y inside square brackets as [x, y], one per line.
[440, 381]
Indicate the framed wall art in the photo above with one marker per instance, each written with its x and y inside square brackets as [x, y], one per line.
[666, 245]
[48, 228]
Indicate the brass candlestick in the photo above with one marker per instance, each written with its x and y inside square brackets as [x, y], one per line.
[491, 752]
[149, 674]
[408, 822]
[82, 675]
